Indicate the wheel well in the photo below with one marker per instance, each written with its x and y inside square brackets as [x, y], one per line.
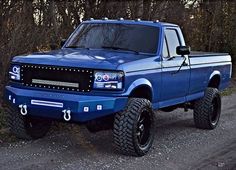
[215, 81]
[142, 92]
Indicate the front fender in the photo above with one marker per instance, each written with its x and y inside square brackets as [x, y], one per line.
[138, 83]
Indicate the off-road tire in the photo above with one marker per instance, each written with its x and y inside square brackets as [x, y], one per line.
[208, 109]
[126, 127]
[26, 127]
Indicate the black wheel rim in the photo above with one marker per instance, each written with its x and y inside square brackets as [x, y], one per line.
[144, 126]
[215, 114]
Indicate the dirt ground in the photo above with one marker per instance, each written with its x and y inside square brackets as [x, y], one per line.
[178, 145]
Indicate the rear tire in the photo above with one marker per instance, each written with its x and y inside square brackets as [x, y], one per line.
[208, 109]
[134, 128]
[26, 127]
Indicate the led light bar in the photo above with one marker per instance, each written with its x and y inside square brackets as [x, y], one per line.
[46, 103]
[55, 83]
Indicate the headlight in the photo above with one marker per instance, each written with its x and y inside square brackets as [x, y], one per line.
[14, 72]
[108, 80]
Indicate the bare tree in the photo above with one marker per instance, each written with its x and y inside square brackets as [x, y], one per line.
[32, 25]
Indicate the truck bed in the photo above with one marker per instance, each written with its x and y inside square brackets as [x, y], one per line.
[205, 54]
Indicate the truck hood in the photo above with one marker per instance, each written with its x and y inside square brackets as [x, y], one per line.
[83, 58]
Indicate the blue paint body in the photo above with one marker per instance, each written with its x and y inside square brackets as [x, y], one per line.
[168, 88]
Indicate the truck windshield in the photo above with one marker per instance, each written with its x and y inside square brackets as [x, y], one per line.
[136, 38]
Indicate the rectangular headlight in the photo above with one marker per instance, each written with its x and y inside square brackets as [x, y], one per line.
[14, 72]
[108, 80]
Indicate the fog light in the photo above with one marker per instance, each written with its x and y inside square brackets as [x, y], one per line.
[86, 109]
[99, 107]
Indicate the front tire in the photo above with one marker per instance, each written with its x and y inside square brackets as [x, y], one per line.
[208, 109]
[26, 127]
[134, 128]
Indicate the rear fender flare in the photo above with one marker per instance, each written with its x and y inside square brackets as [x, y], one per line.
[214, 73]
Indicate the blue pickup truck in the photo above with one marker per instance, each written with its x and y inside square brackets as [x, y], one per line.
[113, 74]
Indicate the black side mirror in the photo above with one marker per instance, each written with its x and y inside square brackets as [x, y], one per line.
[63, 41]
[183, 50]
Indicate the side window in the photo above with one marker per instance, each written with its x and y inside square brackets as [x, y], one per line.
[165, 52]
[172, 41]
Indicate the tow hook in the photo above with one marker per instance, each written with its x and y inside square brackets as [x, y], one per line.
[23, 109]
[67, 115]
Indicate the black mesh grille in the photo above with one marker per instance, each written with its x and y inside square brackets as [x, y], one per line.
[61, 78]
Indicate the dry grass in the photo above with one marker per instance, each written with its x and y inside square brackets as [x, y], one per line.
[228, 91]
[2, 119]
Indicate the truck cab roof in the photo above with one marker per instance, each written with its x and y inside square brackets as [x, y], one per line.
[137, 21]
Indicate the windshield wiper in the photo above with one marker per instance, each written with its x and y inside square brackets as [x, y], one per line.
[74, 46]
[119, 48]
[171, 58]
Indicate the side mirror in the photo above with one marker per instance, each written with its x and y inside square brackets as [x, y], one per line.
[63, 41]
[183, 50]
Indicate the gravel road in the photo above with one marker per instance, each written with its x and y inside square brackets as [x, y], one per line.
[178, 145]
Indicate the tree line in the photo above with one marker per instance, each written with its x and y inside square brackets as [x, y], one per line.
[33, 25]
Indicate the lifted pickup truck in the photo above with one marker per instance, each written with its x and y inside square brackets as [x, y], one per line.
[113, 74]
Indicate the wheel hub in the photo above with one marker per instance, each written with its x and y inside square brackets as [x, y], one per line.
[141, 127]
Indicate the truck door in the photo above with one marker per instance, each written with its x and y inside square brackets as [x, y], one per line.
[175, 81]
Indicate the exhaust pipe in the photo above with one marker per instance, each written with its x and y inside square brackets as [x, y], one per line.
[23, 109]
[67, 115]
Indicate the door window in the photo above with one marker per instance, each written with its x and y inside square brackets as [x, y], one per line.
[172, 41]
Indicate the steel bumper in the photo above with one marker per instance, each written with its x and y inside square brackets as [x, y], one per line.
[80, 108]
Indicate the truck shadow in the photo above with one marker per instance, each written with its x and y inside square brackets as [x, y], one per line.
[76, 140]
[101, 143]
